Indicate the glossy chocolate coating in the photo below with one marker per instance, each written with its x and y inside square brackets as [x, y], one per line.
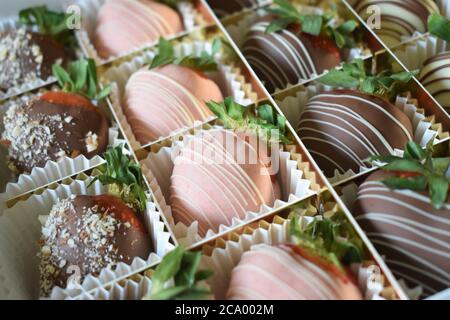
[89, 233]
[43, 130]
[342, 128]
[27, 56]
[287, 57]
[413, 236]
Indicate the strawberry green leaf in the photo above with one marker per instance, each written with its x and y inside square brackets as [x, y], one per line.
[339, 78]
[405, 165]
[353, 75]
[438, 191]
[62, 76]
[347, 27]
[263, 123]
[166, 55]
[278, 25]
[80, 77]
[124, 177]
[411, 183]
[188, 269]
[50, 23]
[169, 293]
[439, 26]
[180, 266]
[332, 239]
[423, 169]
[404, 76]
[203, 275]
[386, 159]
[369, 85]
[286, 14]
[312, 24]
[440, 165]
[167, 269]
[414, 151]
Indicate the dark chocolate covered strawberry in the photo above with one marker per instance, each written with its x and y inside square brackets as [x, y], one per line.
[84, 234]
[343, 127]
[89, 233]
[27, 56]
[56, 124]
[287, 47]
[405, 211]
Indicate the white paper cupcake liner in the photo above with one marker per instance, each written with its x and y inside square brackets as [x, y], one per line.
[223, 259]
[53, 170]
[13, 23]
[137, 287]
[89, 11]
[239, 30]
[130, 289]
[424, 127]
[415, 53]
[228, 78]
[20, 231]
[444, 5]
[295, 181]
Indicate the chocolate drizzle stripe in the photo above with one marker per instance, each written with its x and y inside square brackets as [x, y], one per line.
[409, 228]
[344, 110]
[379, 186]
[396, 265]
[265, 70]
[298, 271]
[331, 125]
[386, 242]
[406, 276]
[304, 65]
[337, 143]
[378, 107]
[328, 159]
[265, 55]
[432, 71]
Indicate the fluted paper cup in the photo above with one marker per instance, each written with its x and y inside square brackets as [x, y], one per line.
[13, 185]
[425, 128]
[295, 178]
[20, 231]
[224, 257]
[90, 8]
[228, 77]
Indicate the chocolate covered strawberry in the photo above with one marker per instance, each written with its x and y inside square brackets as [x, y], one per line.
[84, 234]
[178, 88]
[287, 46]
[405, 211]
[311, 268]
[28, 53]
[57, 124]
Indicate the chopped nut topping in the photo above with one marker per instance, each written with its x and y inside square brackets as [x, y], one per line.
[91, 241]
[91, 141]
